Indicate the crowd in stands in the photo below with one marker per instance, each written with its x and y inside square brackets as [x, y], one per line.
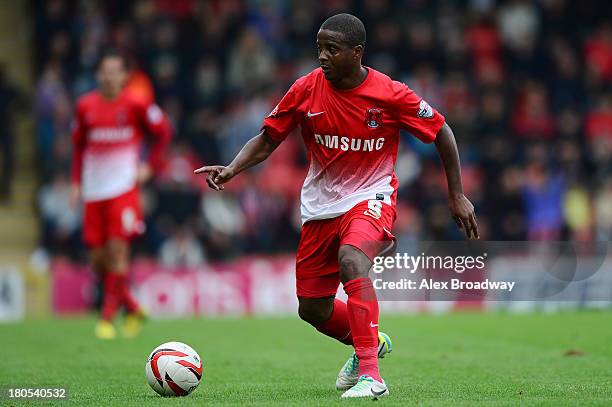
[525, 85]
[11, 101]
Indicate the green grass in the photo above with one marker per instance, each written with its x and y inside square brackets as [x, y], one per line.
[448, 360]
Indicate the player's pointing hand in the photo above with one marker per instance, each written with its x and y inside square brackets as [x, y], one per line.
[462, 212]
[217, 175]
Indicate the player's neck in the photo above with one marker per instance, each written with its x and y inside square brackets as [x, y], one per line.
[353, 80]
[109, 94]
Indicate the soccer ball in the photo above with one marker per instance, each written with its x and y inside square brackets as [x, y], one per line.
[174, 369]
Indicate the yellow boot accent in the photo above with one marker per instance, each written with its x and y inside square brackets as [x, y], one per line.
[132, 324]
[105, 330]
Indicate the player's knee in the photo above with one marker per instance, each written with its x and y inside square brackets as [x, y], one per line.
[117, 257]
[98, 265]
[98, 261]
[313, 314]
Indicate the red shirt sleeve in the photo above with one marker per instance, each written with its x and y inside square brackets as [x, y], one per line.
[284, 119]
[415, 114]
[78, 143]
[156, 123]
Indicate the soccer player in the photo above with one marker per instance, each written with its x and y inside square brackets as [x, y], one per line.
[350, 118]
[106, 171]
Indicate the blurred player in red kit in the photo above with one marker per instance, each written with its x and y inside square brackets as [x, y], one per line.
[110, 125]
[350, 118]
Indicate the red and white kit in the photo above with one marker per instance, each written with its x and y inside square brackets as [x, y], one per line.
[107, 140]
[352, 139]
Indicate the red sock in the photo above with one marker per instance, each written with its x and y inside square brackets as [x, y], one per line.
[363, 318]
[127, 300]
[337, 326]
[112, 296]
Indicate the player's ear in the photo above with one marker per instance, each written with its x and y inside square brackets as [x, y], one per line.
[357, 51]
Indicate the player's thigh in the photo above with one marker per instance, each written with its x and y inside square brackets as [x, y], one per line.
[317, 251]
[94, 229]
[117, 255]
[124, 217]
[317, 287]
[367, 227]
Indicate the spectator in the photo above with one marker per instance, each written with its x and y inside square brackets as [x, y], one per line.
[543, 196]
[532, 116]
[526, 85]
[251, 66]
[577, 213]
[60, 221]
[603, 211]
[51, 92]
[518, 23]
[598, 129]
[9, 96]
[598, 52]
[182, 249]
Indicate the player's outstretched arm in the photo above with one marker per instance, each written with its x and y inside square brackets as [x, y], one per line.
[254, 151]
[460, 207]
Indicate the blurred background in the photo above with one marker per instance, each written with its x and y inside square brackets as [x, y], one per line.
[524, 84]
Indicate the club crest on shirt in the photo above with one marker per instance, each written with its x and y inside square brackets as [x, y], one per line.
[425, 111]
[373, 118]
[273, 112]
[121, 118]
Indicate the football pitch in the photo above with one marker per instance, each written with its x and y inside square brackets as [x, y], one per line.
[464, 359]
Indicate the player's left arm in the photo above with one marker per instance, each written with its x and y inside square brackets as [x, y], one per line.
[79, 140]
[156, 123]
[428, 125]
[460, 207]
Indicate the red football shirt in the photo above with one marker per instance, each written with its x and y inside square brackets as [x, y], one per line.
[351, 137]
[107, 137]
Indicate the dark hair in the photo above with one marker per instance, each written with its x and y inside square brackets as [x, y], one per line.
[112, 53]
[349, 25]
